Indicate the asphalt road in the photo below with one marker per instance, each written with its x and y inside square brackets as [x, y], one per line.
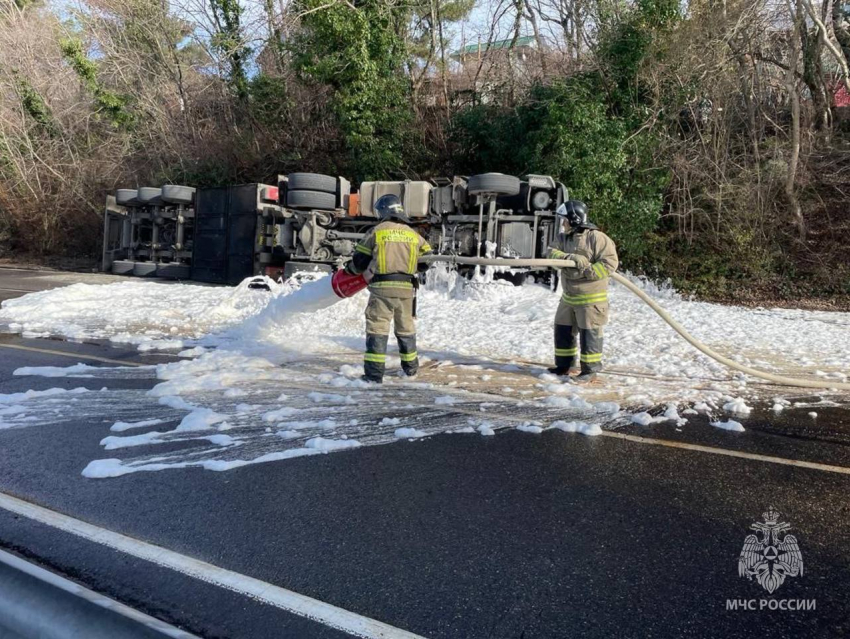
[455, 536]
[15, 282]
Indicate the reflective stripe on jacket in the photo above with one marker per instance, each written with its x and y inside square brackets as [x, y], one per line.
[395, 249]
[583, 287]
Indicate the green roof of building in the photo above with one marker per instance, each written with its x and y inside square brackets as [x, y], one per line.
[524, 41]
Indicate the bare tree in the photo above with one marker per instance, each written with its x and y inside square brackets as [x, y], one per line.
[797, 13]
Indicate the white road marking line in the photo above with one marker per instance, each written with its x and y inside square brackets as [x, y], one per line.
[93, 358]
[301, 605]
[728, 453]
[96, 598]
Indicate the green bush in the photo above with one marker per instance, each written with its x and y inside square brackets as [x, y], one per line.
[589, 131]
[358, 52]
[575, 137]
[568, 130]
[113, 106]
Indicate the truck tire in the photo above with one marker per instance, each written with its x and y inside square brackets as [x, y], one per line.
[149, 195]
[122, 267]
[125, 196]
[311, 200]
[312, 182]
[175, 194]
[497, 183]
[144, 269]
[173, 271]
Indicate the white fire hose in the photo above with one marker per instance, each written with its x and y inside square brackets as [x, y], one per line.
[777, 379]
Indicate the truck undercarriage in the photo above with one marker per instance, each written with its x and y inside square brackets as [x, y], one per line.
[312, 222]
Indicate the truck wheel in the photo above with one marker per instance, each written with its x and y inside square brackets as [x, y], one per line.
[173, 271]
[149, 195]
[311, 182]
[123, 267]
[497, 183]
[125, 196]
[175, 194]
[144, 269]
[311, 200]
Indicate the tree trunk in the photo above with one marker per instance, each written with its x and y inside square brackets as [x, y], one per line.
[444, 70]
[812, 50]
[532, 19]
[794, 97]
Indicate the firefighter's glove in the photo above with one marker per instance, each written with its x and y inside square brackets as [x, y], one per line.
[349, 267]
[581, 262]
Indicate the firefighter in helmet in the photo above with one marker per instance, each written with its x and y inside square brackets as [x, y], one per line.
[583, 309]
[389, 254]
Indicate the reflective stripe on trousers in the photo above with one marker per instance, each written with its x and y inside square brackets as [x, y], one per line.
[566, 349]
[584, 300]
[565, 346]
[407, 353]
[375, 357]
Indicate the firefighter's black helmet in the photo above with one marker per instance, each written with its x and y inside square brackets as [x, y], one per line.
[388, 207]
[575, 212]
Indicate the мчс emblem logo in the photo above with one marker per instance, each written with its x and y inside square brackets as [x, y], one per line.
[770, 555]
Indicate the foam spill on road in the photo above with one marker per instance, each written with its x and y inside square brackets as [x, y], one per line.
[224, 410]
[230, 403]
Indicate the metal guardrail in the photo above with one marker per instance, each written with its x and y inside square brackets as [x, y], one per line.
[36, 603]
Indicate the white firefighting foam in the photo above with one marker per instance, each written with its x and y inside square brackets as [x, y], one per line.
[225, 396]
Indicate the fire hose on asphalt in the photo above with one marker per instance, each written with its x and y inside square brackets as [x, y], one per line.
[776, 379]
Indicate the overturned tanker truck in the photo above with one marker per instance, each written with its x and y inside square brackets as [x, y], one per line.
[311, 222]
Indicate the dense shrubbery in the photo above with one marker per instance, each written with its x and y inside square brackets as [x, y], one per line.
[567, 130]
[702, 138]
[586, 129]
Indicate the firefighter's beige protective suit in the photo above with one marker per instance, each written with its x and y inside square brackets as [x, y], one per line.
[392, 250]
[584, 299]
